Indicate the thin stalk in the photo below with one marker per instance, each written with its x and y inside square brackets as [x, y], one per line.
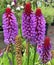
[44, 64]
[28, 54]
[35, 49]
[10, 61]
[12, 48]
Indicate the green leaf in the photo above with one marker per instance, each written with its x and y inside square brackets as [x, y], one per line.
[1, 61]
[52, 62]
[24, 59]
[10, 55]
[5, 59]
[15, 61]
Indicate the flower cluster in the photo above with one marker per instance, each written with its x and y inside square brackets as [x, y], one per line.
[40, 28]
[45, 56]
[28, 23]
[10, 26]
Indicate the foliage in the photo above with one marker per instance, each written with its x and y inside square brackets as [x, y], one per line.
[5, 59]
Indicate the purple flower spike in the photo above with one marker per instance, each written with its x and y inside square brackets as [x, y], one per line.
[40, 28]
[10, 26]
[28, 26]
[28, 23]
[45, 56]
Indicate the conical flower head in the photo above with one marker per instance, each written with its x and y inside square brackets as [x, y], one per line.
[46, 51]
[47, 42]
[27, 8]
[38, 12]
[28, 23]
[39, 29]
[10, 26]
[8, 10]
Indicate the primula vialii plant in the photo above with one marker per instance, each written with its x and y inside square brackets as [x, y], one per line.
[10, 26]
[40, 28]
[28, 25]
[45, 56]
[33, 30]
[38, 39]
[10, 29]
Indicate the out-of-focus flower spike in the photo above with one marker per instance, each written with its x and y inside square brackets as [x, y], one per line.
[15, 1]
[18, 46]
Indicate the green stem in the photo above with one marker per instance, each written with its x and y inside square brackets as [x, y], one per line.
[12, 49]
[28, 54]
[35, 49]
[43, 64]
